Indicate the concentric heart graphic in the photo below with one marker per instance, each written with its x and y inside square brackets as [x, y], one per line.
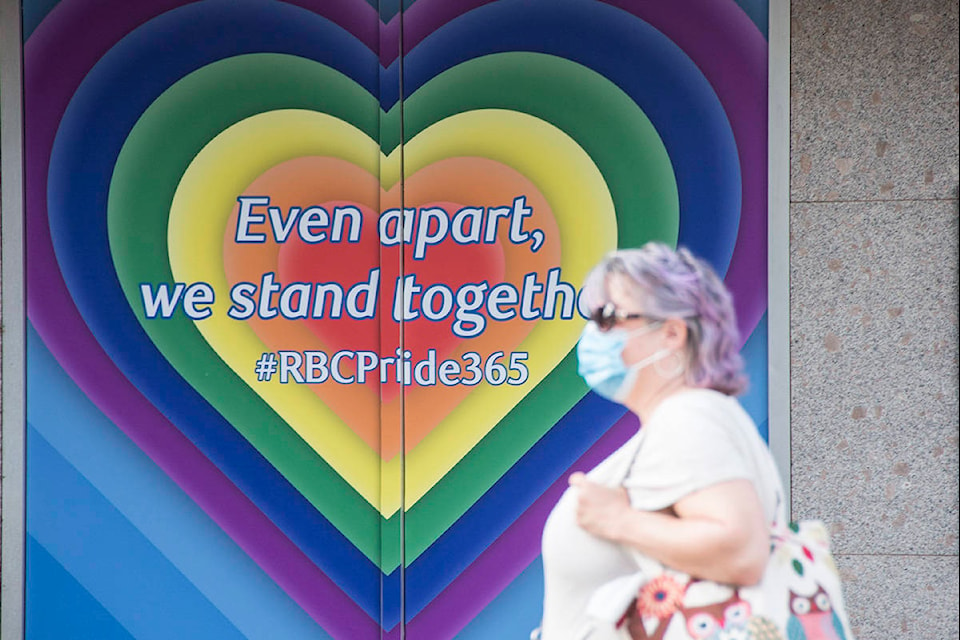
[275, 509]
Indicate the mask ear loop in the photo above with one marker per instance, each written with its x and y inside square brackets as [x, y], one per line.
[675, 372]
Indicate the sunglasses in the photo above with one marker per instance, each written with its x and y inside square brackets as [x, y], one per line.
[607, 316]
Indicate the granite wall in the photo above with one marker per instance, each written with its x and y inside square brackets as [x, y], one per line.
[874, 302]
[873, 268]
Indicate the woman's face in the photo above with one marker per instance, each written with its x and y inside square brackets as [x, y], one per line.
[642, 344]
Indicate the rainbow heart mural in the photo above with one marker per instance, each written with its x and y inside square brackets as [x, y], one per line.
[173, 492]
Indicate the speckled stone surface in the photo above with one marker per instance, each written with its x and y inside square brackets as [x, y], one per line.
[874, 397]
[896, 597]
[874, 99]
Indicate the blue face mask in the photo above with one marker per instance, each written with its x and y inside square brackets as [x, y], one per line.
[600, 354]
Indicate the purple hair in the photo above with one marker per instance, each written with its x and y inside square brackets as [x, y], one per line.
[676, 284]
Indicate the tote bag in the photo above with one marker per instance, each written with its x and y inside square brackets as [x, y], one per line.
[799, 597]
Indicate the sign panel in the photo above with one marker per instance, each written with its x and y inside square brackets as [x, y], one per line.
[301, 284]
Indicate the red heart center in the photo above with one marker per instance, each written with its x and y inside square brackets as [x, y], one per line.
[372, 409]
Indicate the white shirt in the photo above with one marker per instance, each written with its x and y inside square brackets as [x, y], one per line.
[693, 440]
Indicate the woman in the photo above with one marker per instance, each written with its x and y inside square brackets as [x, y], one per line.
[696, 488]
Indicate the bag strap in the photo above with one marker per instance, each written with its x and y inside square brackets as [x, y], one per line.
[633, 458]
[780, 520]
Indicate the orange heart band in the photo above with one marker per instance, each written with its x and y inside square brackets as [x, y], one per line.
[313, 179]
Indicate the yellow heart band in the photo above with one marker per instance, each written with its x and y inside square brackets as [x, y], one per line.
[207, 195]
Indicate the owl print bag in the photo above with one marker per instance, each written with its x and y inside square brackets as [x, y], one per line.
[799, 597]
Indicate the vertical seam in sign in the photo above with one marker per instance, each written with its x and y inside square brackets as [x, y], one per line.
[381, 521]
[403, 408]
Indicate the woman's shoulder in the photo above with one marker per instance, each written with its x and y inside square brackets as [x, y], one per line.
[701, 418]
[702, 404]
